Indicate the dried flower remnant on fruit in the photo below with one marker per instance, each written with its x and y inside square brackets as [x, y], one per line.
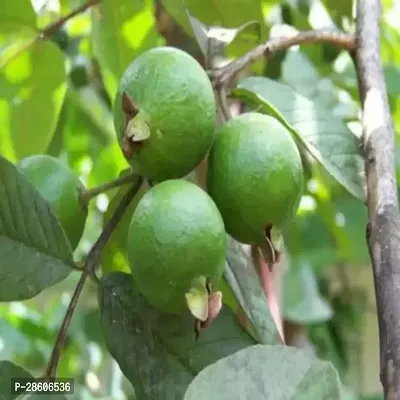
[128, 106]
[135, 132]
[214, 308]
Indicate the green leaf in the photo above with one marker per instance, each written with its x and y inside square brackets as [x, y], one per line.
[34, 251]
[223, 13]
[210, 38]
[18, 12]
[267, 372]
[326, 137]
[303, 303]
[245, 283]
[17, 341]
[122, 30]
[8, 371]
[339, 9]
[157, 352]
[300, 74]
[32, 96]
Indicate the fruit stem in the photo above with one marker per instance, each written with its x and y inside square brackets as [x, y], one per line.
[268, 287]
[266, 271]
[89, 194]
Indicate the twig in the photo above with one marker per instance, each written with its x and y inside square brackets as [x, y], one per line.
[224, 76]
[55, 26]
[88, 194]
[90, 265]
[383, 232]
[222, 102]
[49, 30]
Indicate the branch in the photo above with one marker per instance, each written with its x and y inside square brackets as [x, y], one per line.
[88, 194]
[90, 265]
[49, 30]
[383, 233]
[55, 26]
[225, 75]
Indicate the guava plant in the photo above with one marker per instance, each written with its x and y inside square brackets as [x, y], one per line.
[197, 174]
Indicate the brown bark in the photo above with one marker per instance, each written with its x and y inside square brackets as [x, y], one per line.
[383, 232]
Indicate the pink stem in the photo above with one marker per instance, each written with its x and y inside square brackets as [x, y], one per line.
[267, 283]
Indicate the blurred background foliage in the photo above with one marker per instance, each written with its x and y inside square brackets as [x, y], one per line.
[56, 96]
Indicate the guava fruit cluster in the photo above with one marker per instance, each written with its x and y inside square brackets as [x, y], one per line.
[62, 189]
[164, 116]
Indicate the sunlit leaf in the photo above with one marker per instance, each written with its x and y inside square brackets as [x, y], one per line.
[31, 97]
[17, 12]
[121, 31]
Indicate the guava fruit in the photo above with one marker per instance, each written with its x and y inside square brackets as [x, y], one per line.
[177, 247]
[164, 113]
[255, 176]
[58, 184]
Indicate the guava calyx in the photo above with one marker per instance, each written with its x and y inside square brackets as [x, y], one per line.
[214, 307]
[128, 106]
[203, 304]
[197, 299]
[137, 128]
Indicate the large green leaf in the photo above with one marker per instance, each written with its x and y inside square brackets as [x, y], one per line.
[17, 12]
[34, 251]
[8, 371]
[267, 372]
[157, 352]
[326, 137]
[122, 29]
[32, 91]
[245, 283]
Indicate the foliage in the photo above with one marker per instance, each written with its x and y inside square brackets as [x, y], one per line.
[58, 81]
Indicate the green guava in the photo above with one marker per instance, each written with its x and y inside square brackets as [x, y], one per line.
[58, 184]
[177, 247]
[255, 176]
[164, 113]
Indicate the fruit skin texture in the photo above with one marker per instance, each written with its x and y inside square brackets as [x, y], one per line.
[171, 89]
[61, 188]
[255, 176]
[176, 236]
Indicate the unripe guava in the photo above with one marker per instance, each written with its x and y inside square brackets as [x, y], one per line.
[58, 184]
[255, 176]
[176, 243]
[164, 113]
